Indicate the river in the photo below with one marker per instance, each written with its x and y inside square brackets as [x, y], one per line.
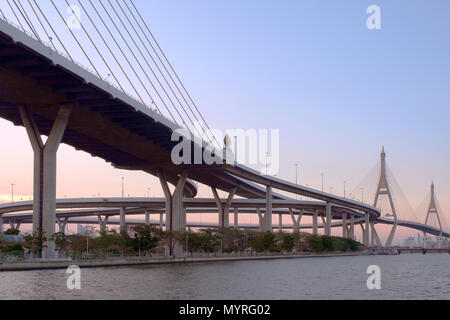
[406, 276]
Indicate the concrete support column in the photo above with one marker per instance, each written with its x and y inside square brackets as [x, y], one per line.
[329, 219]
[161, 221]
[62, 224]
[1, 224]
[224, 210]
[103, 222]
[344, 225]
[315, 216]
[262, 225]
[366, 230]
[44, 189]
[375, 236]
[352, 227]
[123, 221]
[280, 222]
[268, 215]
[296, 221]
[372, 234]
[236, 218]
[147, 218]
[175, 211]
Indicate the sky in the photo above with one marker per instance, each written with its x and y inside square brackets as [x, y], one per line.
[336, 90]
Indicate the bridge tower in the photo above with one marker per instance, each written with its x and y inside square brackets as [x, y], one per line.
[432, 209]
[384, 189]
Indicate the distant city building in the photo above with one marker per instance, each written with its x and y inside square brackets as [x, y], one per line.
[409, 242]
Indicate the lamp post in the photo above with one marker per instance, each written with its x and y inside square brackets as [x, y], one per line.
[123, 187]
[322, 180]
[12, 192]
[362, 194]
[344, 189]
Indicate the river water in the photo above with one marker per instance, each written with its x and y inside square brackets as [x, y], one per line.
[406, 276]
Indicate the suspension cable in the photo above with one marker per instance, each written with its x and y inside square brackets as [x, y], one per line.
[53, 30]
[96, 48]
[76, 39]
[170, 65]
[151, 69]
[124, 55]
[137, 60]
[156, 64]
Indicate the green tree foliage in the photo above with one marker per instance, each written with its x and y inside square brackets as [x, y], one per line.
[261, 241]
[62, 242]
[145, 238]
[35, 241]
[12, 232]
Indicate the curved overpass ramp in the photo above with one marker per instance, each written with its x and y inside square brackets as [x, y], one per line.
[414, 225]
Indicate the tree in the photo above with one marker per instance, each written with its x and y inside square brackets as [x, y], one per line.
[145, 238]
[262, 241]
[35, 242]
[288, 243]
[62, 242]
[315, 243]
[12, 232]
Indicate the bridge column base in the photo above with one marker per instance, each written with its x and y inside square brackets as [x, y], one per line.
[44, 189]
[175, 211]
[351, 232]
[1, 224]
[315, 217]
[147, 218]
[224, 210]
[62, 224]
[123, 221]
[328, 220]
[280, 222]
[296, 221]
[344, 226]
[103, 222]
[268, 215]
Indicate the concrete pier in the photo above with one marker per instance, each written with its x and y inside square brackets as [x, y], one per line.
[44, 184]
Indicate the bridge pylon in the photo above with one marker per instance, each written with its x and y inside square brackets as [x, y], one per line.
[384, 189]
[432, 210]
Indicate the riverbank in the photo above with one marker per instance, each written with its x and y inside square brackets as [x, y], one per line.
[144, 261]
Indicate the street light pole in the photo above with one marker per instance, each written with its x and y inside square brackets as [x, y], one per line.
[344, 190]
[12, 192]
[123, 187]
[322, 180]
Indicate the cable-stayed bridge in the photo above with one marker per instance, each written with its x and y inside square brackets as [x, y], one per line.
[124, 107]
